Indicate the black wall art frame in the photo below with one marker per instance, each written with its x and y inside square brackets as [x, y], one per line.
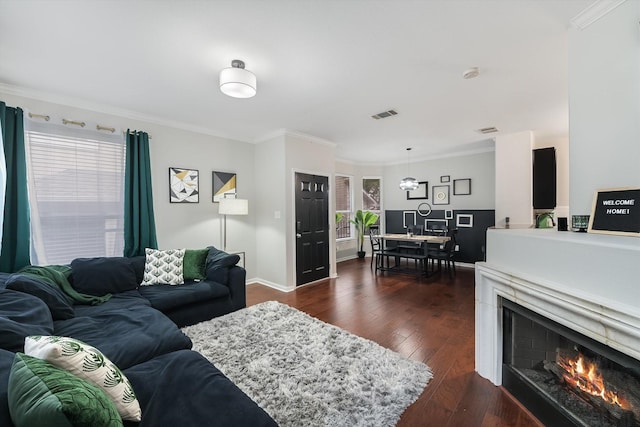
[420, 193]
[462, 187]
[183, 185]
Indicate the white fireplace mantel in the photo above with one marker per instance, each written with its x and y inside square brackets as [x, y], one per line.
[589, 283]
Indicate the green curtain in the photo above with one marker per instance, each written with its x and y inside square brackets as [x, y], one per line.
[14, 253]
[139, 222]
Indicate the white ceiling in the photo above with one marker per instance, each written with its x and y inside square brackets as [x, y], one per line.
[323, 67]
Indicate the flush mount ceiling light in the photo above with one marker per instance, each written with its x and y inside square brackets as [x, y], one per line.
[471, 73]
[237, 82]
[408, 183]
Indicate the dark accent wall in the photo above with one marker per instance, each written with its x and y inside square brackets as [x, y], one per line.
[471, 240]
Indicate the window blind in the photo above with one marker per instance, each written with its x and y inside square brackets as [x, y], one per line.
[343, 205]
[76, 193]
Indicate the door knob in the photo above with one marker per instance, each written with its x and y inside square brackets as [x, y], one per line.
[298, 235]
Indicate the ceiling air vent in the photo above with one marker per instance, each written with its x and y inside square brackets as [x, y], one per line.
[385, 114]
[491, 129]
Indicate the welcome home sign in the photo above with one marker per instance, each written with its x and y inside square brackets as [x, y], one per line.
[616, 211]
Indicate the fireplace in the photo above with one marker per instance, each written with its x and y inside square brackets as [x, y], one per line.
[579, 292]
[564, 377]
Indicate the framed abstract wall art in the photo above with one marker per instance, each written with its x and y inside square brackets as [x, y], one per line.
[224, 185]
[183, 186]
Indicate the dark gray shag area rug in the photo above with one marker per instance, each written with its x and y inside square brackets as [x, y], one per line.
[305, 372]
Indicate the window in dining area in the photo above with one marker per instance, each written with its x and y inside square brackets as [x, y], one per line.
[372, 196]
[344, 203]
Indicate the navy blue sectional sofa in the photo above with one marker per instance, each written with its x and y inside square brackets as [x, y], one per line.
[137, 328]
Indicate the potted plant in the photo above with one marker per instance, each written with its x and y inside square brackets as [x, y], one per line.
[362, 221]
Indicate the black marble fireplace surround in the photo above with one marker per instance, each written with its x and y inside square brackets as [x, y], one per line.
[564, 377]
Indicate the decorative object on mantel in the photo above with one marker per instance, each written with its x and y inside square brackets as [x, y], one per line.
[448, 214]
[445, 178]
[462, 187]
[224, 185]
[616, 211]
[424, 209]
[440, 194]
[409, 183]
[339, 378]
[422, 192]
[183, 185]
[464, 220]
[237, 82]
[580, 223]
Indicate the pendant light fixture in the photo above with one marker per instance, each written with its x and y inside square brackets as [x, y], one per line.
[408, 183]
[237, 82]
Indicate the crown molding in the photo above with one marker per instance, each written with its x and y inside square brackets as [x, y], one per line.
[286, 132]
[424, 158]
[594, 12]
[107, 109]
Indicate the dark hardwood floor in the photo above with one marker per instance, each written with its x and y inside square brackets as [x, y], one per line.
[430, 320]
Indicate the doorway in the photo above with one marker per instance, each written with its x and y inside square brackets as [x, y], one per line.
[312, 227]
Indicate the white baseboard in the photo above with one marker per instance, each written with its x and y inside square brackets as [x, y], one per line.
[347, 258]
[269, 284]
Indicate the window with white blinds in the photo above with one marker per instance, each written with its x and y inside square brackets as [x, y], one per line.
[344, 201]
[76, 193]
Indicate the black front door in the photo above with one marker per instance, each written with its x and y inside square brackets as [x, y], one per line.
[312, 228]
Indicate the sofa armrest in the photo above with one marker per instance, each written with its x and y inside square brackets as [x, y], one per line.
[237, 287]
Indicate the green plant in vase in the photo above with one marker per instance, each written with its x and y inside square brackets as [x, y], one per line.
[362, 221]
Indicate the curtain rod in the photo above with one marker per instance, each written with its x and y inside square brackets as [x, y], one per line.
[124, 132]
[75, 122]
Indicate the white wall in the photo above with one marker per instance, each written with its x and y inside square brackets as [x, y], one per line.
[271, 212]
[514, 178]
[604, 105]
[479, 167]
[180, 225]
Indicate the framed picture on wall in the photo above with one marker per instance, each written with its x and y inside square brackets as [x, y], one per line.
[448, 214]
[224, 185]
[408, 219]
[464, 220]
[422, 192]
[445, 178]
[462, 187]
[183, 185]
[440, 194]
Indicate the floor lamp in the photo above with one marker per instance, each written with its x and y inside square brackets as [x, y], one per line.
[232, 207]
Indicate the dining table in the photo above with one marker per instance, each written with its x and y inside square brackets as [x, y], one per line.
[419, 256]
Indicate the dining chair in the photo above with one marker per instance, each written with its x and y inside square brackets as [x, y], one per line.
[376, 246]
[445, 253]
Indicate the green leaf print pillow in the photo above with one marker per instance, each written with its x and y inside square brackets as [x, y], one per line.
[90, 364]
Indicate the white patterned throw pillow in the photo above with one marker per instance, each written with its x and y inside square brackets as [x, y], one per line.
[163, 267]
[88, 363]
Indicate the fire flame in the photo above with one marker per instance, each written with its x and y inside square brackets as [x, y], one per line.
[584, 375]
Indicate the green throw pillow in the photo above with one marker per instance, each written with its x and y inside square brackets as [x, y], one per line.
[195, 261]
[43, 395]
